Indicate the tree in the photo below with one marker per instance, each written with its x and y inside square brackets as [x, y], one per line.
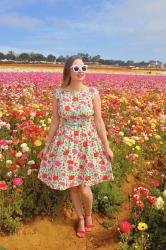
[37, 57]
[96, 58]
[10, 55]
[51, 58]
[2, 56]
[24, 57]
[61, 59]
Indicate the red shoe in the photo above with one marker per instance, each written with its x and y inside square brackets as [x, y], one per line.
[81, 233]
[88, 227]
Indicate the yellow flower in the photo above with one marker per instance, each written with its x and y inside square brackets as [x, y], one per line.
[49, 120]
[157, 137]
[37, 143]
[153, 125]
[138, 148]
[142, 226]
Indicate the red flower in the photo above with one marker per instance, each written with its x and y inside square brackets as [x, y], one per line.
[139, 204]
[136, 197]
[156, 183]
[81, 167]
[125, 227]
[71, 177]
[96, 154]
[65, 152]
[56, 177]
[76, 133]
[70, 161]
[143, 190]
[151, 199]
[13, 167]
[67, 108]
[87, 178]
[10, 199]
[75, 99]
[3, 185]
[44, 175]
[85, 144]
[105, 177]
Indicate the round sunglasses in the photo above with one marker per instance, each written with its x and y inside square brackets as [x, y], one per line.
[77, 68]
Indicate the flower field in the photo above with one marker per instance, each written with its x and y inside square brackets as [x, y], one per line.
[134, 112]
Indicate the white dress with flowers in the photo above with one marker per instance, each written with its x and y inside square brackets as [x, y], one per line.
[75, 155]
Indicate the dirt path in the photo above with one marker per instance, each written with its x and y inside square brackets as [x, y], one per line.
[59, 233]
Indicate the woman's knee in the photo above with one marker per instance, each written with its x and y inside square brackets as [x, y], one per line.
[74, 189]
[85, 190]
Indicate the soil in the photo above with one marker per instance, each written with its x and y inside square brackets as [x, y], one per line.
[46, 233]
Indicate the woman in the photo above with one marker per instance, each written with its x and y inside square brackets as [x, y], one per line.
[77, 153]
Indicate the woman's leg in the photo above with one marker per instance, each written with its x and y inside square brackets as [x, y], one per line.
[87, 197]
[76, 201]
[77, 204]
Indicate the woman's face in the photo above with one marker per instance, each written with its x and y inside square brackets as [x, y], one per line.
[80, 75]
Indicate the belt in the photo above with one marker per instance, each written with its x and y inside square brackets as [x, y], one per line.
[76, 123]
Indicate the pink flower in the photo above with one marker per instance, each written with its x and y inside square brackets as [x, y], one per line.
[125, 227]
[18, 181]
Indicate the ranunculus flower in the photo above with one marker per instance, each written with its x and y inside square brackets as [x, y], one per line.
[139, 204]
[164, 194]
[136, 197]
[37, 143]
[136, 191]
[159, 203]
[18, 181]
[125, 227]
[3, 185]
[151, 199]
[144, 191]
[142, 226]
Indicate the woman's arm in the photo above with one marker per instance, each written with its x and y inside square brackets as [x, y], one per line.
[55, 121]
[99, 121]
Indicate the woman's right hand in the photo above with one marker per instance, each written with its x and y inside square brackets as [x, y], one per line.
[43, 152]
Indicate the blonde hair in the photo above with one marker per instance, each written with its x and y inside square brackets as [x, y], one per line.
[66, 70]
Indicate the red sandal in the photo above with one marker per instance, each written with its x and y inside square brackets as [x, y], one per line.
[89, 227]
[81, 233]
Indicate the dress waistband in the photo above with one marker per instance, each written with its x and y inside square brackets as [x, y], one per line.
[76, 121]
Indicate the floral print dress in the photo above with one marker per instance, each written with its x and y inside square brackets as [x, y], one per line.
[75, 155]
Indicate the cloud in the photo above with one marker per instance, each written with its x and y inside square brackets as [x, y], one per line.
[15, 20]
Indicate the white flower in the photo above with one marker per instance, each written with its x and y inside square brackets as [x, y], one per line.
[25, 149]
[8, 162]
[19, 154]
[29, 171]
[9, 174]
[105, 197]
[23, 145]
[32, 162]
[164, 194]
[159, 203]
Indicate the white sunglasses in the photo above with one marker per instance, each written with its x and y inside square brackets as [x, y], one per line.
[77, 68]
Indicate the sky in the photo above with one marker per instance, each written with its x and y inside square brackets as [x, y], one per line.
[114, 29]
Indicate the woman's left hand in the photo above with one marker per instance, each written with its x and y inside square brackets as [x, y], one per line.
[109, 154]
